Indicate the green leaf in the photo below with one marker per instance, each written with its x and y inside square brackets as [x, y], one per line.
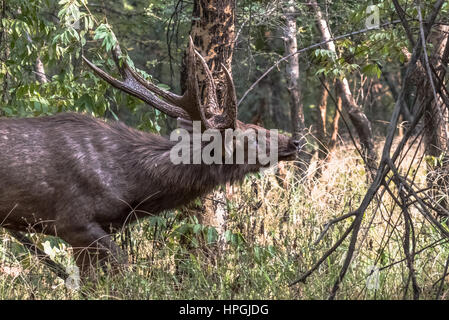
[211, 235]
[197, 228]
[372, 70]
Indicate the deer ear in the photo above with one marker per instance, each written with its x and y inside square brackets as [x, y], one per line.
[185, 124]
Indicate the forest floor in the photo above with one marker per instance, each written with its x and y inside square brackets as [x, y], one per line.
[274, 224]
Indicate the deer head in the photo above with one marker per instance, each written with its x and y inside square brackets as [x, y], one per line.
[190, 106]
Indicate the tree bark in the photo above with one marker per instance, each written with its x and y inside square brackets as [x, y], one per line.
[335, 126]
[265, 109]
[4, 51]
[213, 34]
[436, 115]
[358, 118]
[40, 71]
[321, 131]
[293, 70]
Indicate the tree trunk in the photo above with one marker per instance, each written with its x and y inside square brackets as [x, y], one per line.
[294, 86]
[358, 118]
[292, 70]
[280, 120]
[4, 51]
[335, 125]
[361, 124]
[213, 33]
[40, 71]
[436, 114]
[265, 109]
[321, 131]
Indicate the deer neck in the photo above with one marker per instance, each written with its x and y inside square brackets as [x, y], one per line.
[177, 184]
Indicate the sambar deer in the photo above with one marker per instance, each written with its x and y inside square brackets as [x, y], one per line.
[80, 178]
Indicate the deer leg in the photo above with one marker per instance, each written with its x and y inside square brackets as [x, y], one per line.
[94, 248]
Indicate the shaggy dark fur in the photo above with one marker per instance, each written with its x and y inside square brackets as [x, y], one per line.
[77, 177]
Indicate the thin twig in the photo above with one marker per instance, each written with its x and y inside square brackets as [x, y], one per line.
[305, 275]
[330, 223]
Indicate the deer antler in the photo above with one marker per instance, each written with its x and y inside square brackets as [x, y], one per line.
[187, 106]
[135, 85]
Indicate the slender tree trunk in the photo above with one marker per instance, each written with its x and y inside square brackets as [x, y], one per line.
[436, 115]
[294, 86]
[281, 120]
[40, 71]
[436, 112]
[4, 51]
[265, 108]
[361, 124]
[321, 132]
[335, 126]
[292, 70]
[358, 118]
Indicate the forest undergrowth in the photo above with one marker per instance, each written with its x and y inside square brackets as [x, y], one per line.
[276, 231]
